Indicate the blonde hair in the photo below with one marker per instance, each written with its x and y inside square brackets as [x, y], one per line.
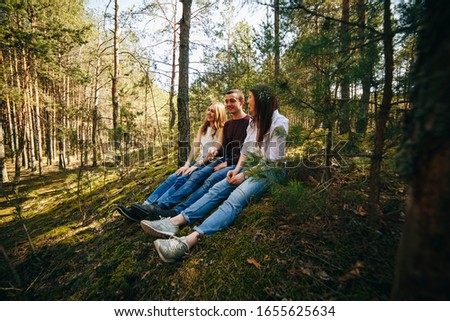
[219, 120]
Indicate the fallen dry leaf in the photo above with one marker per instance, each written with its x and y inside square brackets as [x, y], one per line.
[361, 211]
[350, 275]
[323, 275]
[355, 272]
[254, 262]
[300, 271]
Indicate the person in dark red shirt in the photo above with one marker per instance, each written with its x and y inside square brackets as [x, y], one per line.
[234, 133]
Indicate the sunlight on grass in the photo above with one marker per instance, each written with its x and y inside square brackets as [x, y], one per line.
[297, 242]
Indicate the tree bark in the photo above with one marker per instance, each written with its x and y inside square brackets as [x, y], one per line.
[9, 82]
[18, 123]
[361, 121]
[29, 124]
[383, 114]
[37, 123]
[115, 80]
[276, 8]
[3, 171]
[423, 261]
[95, 109]
[173, 113]
[183, 85]
[344, 122]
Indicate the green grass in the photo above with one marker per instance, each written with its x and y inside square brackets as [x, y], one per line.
[304, 241]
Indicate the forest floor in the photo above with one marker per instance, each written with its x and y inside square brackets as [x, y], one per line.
[305, 241]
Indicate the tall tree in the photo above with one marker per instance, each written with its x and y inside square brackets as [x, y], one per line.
[383, 113]
[3, 171]
[366, 68]
[423, 262]
[345, 82]
[115, 79]
[183, 84]
[95, 106]
[173, 113]
[276, 14]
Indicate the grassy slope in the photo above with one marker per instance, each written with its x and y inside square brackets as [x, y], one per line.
[306, 242]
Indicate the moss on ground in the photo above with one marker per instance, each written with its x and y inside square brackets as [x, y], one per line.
[307, 241]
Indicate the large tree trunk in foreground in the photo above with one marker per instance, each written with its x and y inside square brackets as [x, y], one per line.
[423, 264]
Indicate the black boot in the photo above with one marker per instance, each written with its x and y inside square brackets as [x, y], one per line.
[166, 213]
[151, 212]
[146, 212]
[126, 212]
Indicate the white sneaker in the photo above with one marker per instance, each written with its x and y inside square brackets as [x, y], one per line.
[173, 249]
[160, 228]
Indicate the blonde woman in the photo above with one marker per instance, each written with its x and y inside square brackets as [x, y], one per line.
[266, 138]
[210, 134]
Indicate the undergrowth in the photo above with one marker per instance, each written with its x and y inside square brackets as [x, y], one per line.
[305, 240]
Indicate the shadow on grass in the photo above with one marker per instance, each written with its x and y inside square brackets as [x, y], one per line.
[312, 249]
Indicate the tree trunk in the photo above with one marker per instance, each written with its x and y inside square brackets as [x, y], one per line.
[59, 130]
[61, 144]
[20, 118]
[8, 82]
[115, 80]
[173, 113]
[14, 115]
[383, 114]
[48, 137]
[37, 122]
[344, 122]
[276, 8]
[95, 110]
[20, 145]
[423, 261]
[183, 85]
[3, 171]
[28, 96]
[361, 121]
[67, 123]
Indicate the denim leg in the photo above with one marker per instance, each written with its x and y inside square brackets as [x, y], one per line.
[163, 188]
[216, 195]
[180, 180]
[204, 188]
[195, 180]
[229, 210]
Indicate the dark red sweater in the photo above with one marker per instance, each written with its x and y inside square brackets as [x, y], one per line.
[234, 133]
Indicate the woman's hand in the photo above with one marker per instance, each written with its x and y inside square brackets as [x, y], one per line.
[190, 170]
[182, 169]
[235, 178]
[212, 152]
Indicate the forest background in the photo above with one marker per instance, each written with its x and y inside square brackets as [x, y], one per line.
[98, 106]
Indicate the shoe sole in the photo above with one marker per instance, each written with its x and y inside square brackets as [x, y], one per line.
[121, 212]
[156, 244]
[149, 230]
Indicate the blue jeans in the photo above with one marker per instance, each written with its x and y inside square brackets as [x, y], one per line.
[162, 189]
[237, 197]
[188, 184]
[204, 188]
[168, 187]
